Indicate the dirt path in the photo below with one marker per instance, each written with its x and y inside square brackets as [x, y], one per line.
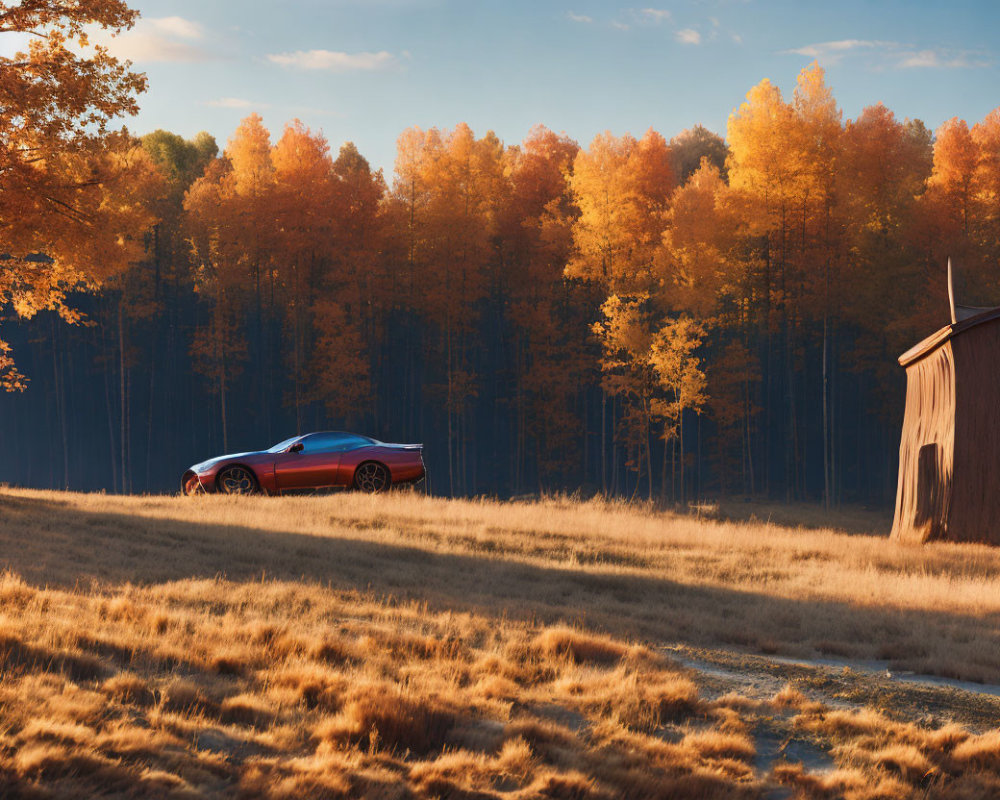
[927, 700]
[905, 696]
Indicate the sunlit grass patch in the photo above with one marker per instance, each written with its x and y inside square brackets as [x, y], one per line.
[297, 649]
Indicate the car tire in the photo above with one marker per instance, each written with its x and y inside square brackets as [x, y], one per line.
[191, 485]
[237, 480]
[372, 477]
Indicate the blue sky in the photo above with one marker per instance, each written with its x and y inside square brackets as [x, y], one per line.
[363, 70]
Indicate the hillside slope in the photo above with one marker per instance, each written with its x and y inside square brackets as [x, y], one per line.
[408, 646]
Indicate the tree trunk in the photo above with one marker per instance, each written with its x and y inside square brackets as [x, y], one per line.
[149, 415]
[748, 419]
[604, 442]
[222, 390]
[59, 388]
[123, 430]
[680, 441]
[673, 470]
[697, 458]
[663, 472]
[108, 366]
[614, 449]
[834, 482]
[296, 358]
[448, 412]
[826, 423]
[649, 451]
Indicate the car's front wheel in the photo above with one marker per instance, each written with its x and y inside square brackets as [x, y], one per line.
[237, 480]
[371, 477]
[191, 484]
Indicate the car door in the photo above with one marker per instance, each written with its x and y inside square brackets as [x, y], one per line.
[312, 467]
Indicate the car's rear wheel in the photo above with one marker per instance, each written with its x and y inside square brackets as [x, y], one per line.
[372, 477]
[237, 480]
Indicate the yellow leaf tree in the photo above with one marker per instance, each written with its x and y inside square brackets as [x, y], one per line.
[678, 372]
[622, 187]
[625, 336]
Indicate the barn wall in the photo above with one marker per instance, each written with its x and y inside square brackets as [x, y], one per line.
[923, 494]
[975, 507]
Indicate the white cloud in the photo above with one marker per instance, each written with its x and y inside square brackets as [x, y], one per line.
[168, 39]
[579, 17]
[234, 102]
[619, 25]
[940, 59]
[176, 26]
[688, 36]
[821, 49]
[656, 14]
[737, 38]
[925, 58]
[891, 55]
[333, 60]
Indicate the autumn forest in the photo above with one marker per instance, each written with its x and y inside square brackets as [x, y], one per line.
[669, 316]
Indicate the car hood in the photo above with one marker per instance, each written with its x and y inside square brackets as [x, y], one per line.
[204, 465]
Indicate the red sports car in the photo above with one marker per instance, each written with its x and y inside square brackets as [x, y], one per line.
[312, 461]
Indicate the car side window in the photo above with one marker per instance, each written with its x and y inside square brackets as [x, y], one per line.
[331, 443]
[321, 443]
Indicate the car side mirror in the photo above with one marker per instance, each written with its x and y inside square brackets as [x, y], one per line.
[296, 448]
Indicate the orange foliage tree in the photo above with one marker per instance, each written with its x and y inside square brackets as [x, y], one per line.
[351, 299]
[549, 349]
[59, 159]
[301, 204]
[448, 186]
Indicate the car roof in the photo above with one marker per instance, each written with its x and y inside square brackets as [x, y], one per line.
[338, 433]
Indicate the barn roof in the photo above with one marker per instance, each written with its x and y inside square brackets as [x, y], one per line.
[937, 339]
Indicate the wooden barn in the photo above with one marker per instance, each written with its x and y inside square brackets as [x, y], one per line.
[949, 456]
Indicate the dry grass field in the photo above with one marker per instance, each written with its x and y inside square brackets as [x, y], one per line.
[404, 646]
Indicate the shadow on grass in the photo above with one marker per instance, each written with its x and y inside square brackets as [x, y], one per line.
[811, 516]
[51, 542]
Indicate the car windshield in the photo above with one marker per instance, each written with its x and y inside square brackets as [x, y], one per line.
[282, 445]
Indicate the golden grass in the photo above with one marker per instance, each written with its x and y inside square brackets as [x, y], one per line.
[327, 693]
[404, 646]
[611, 566]
[881, 757]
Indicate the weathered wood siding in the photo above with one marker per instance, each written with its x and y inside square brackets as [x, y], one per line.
[975, 499]
[926, 450]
